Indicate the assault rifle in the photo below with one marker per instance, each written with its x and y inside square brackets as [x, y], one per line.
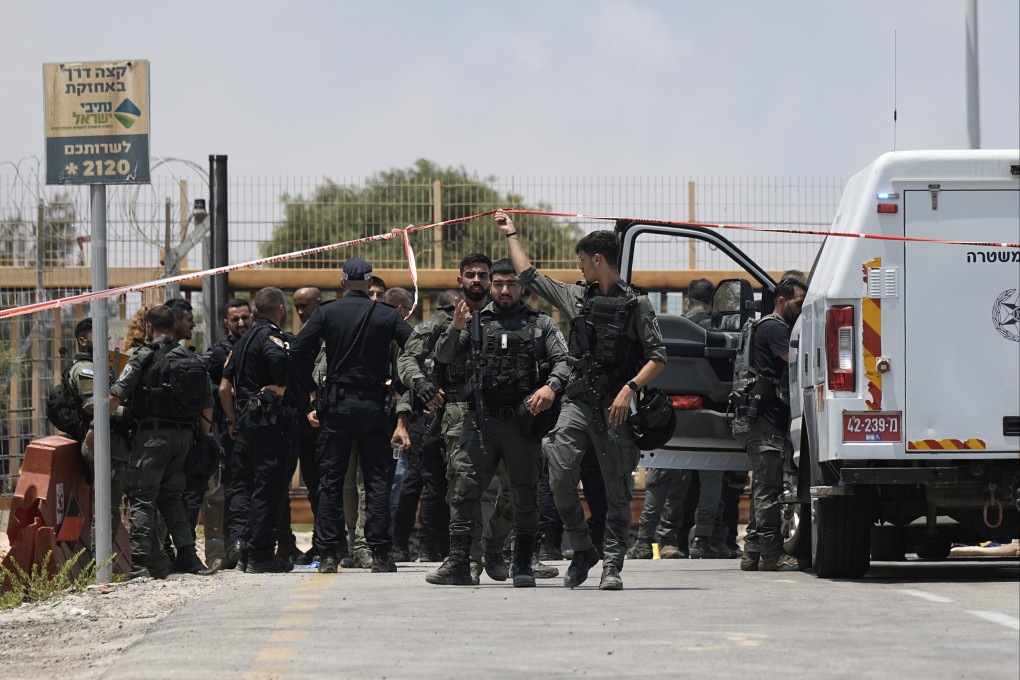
[593, 383]
[478, 369]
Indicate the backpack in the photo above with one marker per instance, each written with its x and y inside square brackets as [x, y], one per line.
[64, 408]
[183, 389]
[747, 391]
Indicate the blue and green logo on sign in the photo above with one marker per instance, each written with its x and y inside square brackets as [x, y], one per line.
[127, 113]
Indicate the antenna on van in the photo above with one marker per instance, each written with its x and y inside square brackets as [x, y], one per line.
[894, 91]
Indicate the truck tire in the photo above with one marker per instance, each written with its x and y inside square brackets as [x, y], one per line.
[841, 535]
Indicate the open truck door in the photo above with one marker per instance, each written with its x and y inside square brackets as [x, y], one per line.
[699, 370]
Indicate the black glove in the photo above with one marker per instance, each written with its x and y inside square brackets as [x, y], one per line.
[426, 389]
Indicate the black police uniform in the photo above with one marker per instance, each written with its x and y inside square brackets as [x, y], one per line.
[261, 448]
[352, 408]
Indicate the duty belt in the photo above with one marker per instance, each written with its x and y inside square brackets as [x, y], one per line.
[501, 412]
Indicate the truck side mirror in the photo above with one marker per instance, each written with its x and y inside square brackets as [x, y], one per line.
[732, 304]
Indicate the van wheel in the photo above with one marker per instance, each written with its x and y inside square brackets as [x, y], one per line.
[796, 524]
[841, 535]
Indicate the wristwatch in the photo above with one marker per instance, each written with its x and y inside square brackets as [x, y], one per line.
[555, 385]
[633, 386]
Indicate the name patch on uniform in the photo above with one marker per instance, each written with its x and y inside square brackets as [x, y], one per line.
[278, 341]
[87, 371]
[655, 327]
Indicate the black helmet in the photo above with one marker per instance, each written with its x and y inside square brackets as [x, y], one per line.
[655, 420]
[536, 427]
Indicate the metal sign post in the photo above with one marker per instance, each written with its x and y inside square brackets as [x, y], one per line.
[97, 133]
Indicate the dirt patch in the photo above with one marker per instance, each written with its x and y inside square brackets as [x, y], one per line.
[79, 636]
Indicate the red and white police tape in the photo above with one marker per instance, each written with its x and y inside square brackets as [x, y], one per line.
[112, 292]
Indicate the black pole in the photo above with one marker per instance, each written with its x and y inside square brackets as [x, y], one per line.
[218, 236]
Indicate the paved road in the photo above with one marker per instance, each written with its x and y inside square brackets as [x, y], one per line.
[676, 618]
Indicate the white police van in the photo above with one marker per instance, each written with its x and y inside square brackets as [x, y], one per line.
[905, 364]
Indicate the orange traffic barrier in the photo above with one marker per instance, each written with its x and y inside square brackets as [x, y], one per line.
[51, 510]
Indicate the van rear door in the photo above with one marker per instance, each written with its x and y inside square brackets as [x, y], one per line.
[962, 326]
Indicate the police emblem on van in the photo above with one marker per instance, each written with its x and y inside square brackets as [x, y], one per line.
[1006, 315]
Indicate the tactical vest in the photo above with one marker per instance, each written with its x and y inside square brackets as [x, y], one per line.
[612, 352]
[744, 374]
[511, 360]
[453, 375]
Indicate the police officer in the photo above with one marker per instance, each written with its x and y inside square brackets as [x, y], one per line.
[618, 349]
[155, 476]
[443, 386]
[252, 393]
[517, 355]
[220, 556]
[768, 442]
[79, 380]
[352, 408]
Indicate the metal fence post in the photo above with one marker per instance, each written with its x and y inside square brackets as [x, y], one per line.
[437, 216]
[692, 262]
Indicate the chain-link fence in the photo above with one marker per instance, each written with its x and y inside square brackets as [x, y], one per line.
[45, 252]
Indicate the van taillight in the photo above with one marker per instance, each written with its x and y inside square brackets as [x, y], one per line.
[839, 347]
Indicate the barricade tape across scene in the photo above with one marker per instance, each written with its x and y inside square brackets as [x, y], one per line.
[112, 292]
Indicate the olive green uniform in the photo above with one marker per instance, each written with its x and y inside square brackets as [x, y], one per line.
[513, 371]
[497, 506]
[80, 379]
[576, 428]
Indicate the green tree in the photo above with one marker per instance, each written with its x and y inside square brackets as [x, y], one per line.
[399, 197]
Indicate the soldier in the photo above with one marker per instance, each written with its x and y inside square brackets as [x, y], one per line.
[218, 554]
[252, 394]
[518, 356]
[443, 388]
[169, 394]
[618, 350]
[79, 380]
[768, 441]
[352, 408]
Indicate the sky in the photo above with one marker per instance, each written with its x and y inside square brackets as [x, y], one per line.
[592, 88]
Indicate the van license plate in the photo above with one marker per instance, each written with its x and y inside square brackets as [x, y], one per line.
[869, 426]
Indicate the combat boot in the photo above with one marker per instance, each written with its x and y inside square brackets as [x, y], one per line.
[780, 562]
[273, 566]
[724, 552]
[668, 551]
[328, 562]
[400, 554]
[188, 562]
[641, 550]
[382, 562]
[229, 559]
[547, 550]
[495, 566]
[456, 569]
[537, 568]
[524, 551]
[749, 561]
[287, 549]
[428, 553]
[611, 578]
[242, 561]
[138, 568]
[306, 558]
[580, 565]
[701, 550]
[476, 570]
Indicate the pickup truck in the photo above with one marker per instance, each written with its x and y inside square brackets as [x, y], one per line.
[905, 363]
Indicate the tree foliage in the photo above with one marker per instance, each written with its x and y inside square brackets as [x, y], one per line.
[402, 197]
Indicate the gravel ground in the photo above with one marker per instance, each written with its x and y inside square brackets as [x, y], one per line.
[77, 637]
